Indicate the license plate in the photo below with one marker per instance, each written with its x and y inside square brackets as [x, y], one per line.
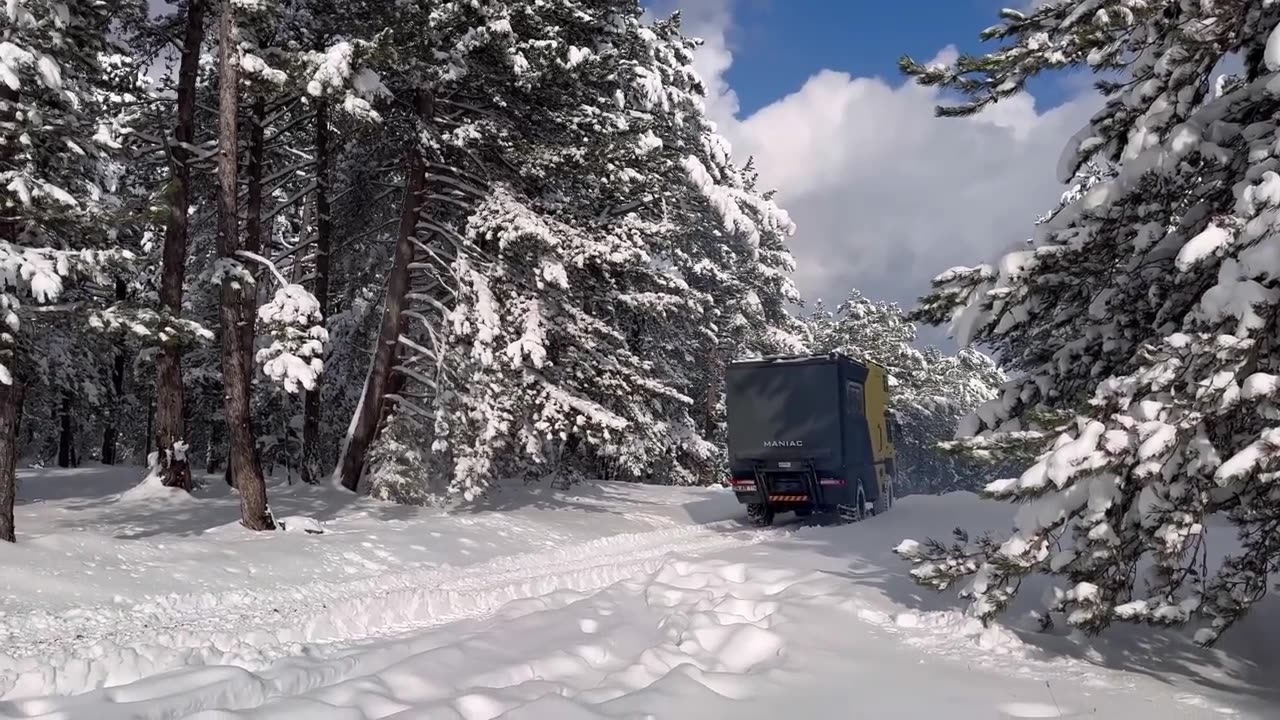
[787, 465]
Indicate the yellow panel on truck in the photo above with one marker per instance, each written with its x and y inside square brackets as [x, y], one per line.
[880, 428]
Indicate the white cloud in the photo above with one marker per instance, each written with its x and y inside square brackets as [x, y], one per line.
[714, 57]
[885, 195]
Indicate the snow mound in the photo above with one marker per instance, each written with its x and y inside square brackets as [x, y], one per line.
[949, 628]
[1021, 711]
[300, 524]
[151, 490]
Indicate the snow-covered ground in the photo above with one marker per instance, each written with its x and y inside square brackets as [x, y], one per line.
[608, 601]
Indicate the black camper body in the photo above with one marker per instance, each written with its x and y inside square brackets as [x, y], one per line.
[798, 435]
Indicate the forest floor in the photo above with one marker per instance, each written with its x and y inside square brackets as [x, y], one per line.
[605, 601]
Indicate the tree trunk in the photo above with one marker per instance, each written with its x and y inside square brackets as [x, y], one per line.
[252, 243]
[711, 401]
[66, 437]
[10, 413]
[212, 461]
[170, 423]
[213, 451]
[395, 383]
[151, 419]
[394, 386]
[324, 240]
[242, 451]
[109, 432]
[11, 394]
[369, 412]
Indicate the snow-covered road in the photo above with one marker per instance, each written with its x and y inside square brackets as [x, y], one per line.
[696, 616]
[698, 638]
[239, 627]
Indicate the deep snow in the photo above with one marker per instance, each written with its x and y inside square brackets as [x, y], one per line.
[602, 601]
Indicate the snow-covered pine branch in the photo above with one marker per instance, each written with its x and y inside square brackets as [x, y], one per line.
[150, 327]
[291, 320]
[1144, 310]
[929, 392]
[39, 275]
[343, 71]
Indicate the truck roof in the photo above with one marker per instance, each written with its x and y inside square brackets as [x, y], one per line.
[808, 359]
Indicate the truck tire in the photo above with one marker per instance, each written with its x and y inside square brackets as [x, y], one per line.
[759, 514]
[884, 502]
[856, 512]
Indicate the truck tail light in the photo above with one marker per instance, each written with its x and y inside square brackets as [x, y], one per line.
[830, 481]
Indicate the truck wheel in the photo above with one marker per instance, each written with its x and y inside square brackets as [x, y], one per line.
[759, 514]
[856, 512]
[884, 502]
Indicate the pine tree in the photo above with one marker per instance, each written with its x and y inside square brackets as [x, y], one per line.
[820, 328]
[330, 201]
[929, 392]
[323, 269]
[418, 38]
[591, 276]
[1139, 323]
[242, 456]
[170, 395]
[58, 208]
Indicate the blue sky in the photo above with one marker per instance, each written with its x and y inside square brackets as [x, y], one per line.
[885, 195]
[778, 44]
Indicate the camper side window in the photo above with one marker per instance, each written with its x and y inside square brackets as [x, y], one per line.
[853, 399]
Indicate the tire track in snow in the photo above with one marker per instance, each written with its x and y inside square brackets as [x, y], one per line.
[482, 589]
[110, 645]
[706, 621]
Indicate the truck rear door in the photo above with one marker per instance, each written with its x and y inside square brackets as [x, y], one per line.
[783, 412]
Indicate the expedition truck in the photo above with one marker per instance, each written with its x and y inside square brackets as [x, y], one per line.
[810, 434]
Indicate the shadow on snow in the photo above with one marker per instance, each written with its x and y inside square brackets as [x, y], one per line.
[1244, 665]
